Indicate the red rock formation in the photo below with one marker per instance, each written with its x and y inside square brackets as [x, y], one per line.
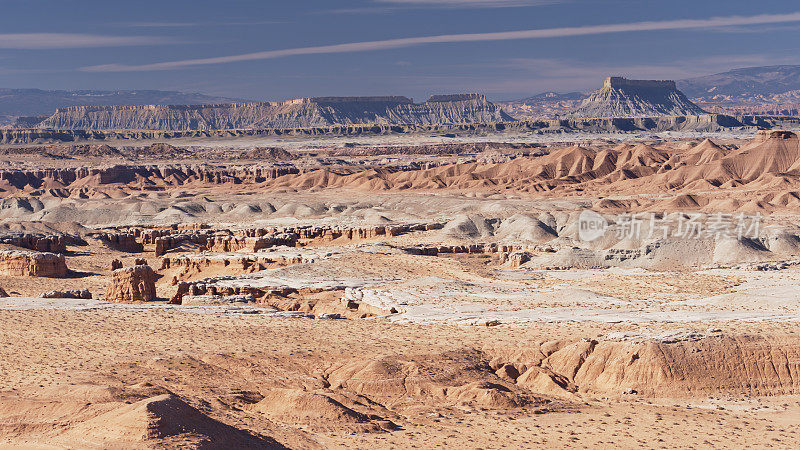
[183, 289]
[32, 264]
[124, 242]
[41, 243]
[132, 284]
[250, 244]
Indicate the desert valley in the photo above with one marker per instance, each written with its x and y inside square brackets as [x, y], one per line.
[615, 268]
[356, 287]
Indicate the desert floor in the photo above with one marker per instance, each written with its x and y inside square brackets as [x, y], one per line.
[59, 367]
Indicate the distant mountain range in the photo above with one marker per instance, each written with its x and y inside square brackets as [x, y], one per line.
[768, 80]
[752, 90]
[16, 103]
[547, 104]
[769, 90]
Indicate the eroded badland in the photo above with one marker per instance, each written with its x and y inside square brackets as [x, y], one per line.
[401, 291]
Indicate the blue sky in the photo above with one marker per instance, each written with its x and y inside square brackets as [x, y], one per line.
[262, 49]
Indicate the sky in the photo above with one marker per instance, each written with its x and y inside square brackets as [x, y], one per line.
[276, 50]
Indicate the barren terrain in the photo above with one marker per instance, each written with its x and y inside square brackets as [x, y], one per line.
[325, 293]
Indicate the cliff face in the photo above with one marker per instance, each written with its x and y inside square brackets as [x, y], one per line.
[300, 113]
[623, 98]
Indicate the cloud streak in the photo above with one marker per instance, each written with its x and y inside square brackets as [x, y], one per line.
[50, 41]
[392, 6]
[197, 24]
[684, 24]
[470, 3]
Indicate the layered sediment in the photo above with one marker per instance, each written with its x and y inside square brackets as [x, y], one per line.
[304, 112]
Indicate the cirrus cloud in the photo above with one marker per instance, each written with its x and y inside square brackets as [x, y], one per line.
[470, 3]
[51, 41]
[587, 30]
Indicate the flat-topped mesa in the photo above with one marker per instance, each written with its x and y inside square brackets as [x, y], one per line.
[293, 102]
[623, 98]
[292, 114]
[398, 99]
[456, 98]
[622, 83]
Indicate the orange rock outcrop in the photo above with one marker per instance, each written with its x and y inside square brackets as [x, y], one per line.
[132, 284]
[32, 264]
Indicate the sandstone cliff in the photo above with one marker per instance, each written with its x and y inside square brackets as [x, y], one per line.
[305, 112]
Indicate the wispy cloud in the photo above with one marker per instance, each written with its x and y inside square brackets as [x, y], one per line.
[198, 24]
[470, 3]
[776, 28]
[393, 6]
[684, 24]
[45, 41]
